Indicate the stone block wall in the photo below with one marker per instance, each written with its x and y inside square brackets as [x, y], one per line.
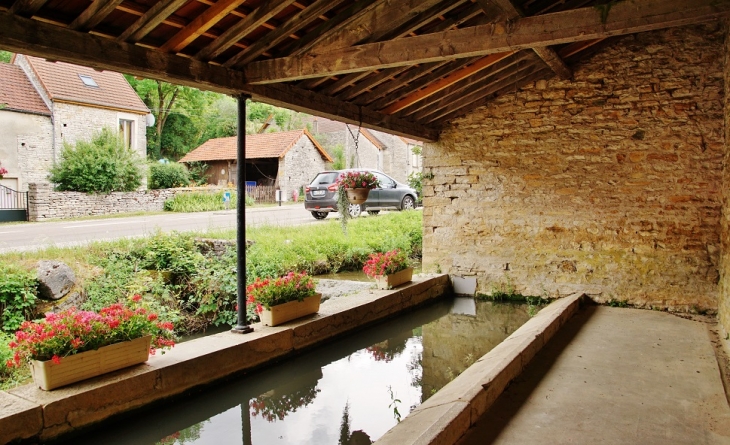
[26, 148]
[44, 203]
[299, 166]
[610, 183]
[724, 287]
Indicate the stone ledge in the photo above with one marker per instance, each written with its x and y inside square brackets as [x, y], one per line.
[28, 413]
[446, 416]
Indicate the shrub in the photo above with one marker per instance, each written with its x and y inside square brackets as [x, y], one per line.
[100, 166]
[197, 170]
[202, 201]
[168, 175]
[18, 290]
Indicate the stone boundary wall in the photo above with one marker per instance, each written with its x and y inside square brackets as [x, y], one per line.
[610, 183]
[44, 203]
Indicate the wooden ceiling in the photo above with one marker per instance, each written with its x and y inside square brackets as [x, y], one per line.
[403, 66]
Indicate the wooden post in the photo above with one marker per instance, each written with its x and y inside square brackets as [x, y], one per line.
[242, 326]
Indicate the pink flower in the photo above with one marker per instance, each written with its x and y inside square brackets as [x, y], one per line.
[56, 359]
[136, 297]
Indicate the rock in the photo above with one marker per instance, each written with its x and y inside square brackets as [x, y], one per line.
[55, 280]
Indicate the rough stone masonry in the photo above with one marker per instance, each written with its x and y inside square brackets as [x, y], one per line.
[611, 181]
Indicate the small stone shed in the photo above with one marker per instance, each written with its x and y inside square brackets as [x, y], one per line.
[286, 160]
[569, 144]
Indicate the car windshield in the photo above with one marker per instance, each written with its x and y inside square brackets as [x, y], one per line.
[325, 178]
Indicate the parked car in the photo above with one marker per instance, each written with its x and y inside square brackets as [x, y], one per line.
[320, 196]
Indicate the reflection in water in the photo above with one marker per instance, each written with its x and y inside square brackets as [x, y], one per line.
[348, 392]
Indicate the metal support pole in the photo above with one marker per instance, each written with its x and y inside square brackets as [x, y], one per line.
[242, 326]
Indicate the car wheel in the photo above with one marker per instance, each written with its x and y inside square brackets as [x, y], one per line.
[373, 212]
[354, 210]
[320, 215]
[408, 203]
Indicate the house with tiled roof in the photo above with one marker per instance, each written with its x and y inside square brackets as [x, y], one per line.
[74, 101]
[393, 155]
[287, 160]
[26, 131]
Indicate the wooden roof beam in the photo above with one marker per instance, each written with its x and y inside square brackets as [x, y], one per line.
[511, 84]
[27, 8]
[548, 55]
[40, 39]
[479, 65]
[97, 11]
[272, 38]
[371, 82]
[150, 20]
[626, 17]
[236, 32]
[200, 24]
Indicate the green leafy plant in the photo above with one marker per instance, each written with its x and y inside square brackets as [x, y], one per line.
[72, 331]
[168, 175]
[198, 172]
[18, 291]
[415, 180]
[352, 180]
[100, 166]
[205, 201]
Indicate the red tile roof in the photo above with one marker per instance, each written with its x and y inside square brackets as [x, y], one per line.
[266, 145]
[62, 82]
[17, 93]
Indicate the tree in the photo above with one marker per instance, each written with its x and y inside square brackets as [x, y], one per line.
[5, 56]
[103, 165]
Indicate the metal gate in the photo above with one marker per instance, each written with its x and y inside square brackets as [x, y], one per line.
[13, 205]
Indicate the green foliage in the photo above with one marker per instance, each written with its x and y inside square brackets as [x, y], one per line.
[617, 303]
[10, 377]
[5, 56]
[175, 253]
[415, 180]
[205, 201]
[18, 291]
[168, 175]
[338, 154]
[100, 166]
[197, 172]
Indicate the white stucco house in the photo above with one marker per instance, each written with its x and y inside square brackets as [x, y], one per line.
[45, 104]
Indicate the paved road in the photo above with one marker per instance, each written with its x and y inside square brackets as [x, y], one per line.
[32, 236]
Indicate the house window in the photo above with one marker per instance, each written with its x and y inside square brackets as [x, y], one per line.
[88, 81]
[126, 130]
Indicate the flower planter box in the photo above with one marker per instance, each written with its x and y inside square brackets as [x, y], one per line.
[357, 196]
[282, 313]
[395, 279]
[74, 368]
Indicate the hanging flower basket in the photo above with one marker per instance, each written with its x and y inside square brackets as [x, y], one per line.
[85, 365]
[358, 195]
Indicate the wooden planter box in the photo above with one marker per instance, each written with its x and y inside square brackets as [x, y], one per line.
[74, 368]
[395, 279]
[357, 196]
[289, 311]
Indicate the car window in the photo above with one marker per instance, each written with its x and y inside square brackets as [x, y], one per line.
[385, 182]
[325, 178]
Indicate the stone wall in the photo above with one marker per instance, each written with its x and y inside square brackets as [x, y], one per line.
[611, 181]
[299, 166]
[26, 148]
[724, 286]
[44, 203]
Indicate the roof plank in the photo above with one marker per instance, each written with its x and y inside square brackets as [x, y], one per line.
[200, 24]
[626, 17]
[97, 11]
[257, 18]
[27, 8]
[150, 20]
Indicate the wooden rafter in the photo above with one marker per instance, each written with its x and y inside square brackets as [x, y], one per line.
[626, 17]
[371, 82]
[415, 22]
[27, 8]
[150, 20]
[512, 83]
[97, 11]
[236, 32]
[331, 26]
[435, 87]
[436, 71]
[272, 38]
[548, 55]
[200, 24]
[33, 37]
[456, 91]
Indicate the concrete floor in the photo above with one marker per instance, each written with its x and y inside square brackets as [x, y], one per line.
[614, 376]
